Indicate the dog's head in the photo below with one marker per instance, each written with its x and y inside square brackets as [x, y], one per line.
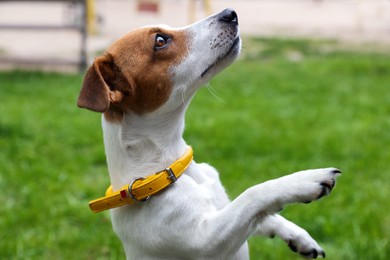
[153, 67]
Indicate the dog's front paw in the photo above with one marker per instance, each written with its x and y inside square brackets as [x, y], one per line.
[306, 246]
[311, 185]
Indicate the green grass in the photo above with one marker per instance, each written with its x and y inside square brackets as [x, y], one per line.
[287, 105]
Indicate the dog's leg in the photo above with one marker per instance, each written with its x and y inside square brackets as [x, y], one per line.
[296, 238]
[232, 225]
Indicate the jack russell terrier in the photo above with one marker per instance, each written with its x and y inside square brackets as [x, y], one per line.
[143, 84]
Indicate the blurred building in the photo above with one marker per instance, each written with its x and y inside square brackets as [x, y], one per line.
[348, 20]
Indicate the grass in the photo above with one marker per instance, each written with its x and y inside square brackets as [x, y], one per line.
[287, 105]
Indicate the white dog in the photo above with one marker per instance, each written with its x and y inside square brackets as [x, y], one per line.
[143, 85]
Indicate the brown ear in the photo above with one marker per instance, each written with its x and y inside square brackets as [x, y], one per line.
[95, 92]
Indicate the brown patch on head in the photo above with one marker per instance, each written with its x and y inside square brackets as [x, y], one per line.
[134, 74]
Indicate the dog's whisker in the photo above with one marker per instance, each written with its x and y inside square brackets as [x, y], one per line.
[214, 93]
[183, 96]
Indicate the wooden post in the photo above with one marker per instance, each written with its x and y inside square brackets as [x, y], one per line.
[91, 17]
[206, 5]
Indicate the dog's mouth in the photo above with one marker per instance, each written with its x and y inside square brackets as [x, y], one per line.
[230, 54]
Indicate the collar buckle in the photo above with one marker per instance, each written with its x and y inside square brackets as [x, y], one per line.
[171, 175]
[130, 191]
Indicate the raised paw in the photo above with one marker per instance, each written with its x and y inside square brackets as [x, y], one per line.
[328, 184]
[308, 249]
[309, 185]
[298, 239]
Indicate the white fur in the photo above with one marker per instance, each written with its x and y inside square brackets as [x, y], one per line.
[193, 218]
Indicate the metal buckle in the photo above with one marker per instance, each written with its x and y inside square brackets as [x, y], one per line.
[130, 190]
[171, 175]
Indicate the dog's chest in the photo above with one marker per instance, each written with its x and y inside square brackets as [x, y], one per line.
[209, 186]
[196, 195]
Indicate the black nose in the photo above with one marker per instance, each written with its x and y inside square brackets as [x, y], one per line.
[229, 16]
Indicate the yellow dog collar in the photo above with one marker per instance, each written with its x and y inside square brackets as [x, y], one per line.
[140, 189]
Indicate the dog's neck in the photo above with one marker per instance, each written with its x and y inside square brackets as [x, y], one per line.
[143, 144]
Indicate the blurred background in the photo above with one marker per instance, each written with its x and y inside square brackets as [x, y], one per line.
[67, 32]
[310, 90]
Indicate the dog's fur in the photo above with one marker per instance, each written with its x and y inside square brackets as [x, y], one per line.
[143, 84]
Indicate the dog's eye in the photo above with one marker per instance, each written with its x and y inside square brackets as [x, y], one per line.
[161, 41]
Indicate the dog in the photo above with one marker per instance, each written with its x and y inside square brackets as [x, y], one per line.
[163, 204]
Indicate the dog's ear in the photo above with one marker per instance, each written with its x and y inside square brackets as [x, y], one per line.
[96, 92]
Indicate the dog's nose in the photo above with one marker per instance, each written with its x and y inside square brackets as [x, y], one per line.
[229, 16]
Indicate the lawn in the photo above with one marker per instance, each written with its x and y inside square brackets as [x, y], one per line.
[286, 105]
